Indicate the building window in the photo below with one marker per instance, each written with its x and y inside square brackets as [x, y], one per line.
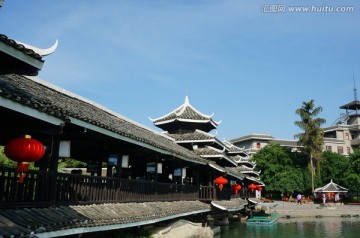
[348, 150]
[340, 150]
[347, 136]
[258, 145]
[328, 147]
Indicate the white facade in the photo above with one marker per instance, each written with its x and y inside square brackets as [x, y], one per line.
[342, 138]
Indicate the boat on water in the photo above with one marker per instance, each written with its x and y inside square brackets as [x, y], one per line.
[264, 216]
[263, 219]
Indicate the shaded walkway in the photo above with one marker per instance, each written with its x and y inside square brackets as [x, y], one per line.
[60, 221]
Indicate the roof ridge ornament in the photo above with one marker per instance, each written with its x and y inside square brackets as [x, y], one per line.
[41, 52]
[187, 100]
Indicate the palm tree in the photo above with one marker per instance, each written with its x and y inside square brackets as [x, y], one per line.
[312, 139]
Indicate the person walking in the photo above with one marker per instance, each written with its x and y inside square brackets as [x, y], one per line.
[324, 198]
[298, 197]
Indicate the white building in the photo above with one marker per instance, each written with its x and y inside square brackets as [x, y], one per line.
[343, 137]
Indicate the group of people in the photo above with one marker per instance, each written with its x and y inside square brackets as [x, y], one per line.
[336, 198]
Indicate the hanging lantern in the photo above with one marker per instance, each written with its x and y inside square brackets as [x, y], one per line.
[24, 151]
[252, 187]
[258, 188]
[221, 181]
[236, 187]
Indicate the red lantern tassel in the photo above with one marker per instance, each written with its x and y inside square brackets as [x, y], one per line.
[21, 178]
[221, 187]
[22, 168]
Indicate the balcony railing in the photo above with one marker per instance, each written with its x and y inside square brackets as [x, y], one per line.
[47, 188]
[41, 189]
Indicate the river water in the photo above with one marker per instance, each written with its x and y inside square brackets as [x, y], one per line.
[296, 228]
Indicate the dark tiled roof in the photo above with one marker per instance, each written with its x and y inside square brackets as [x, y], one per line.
[48, 221]
[354, 105]
[241, 160]
[212, 153]
[58, 104]
[233, 149]
[208, 151]
[235, 204]
[241, 170]
[20, 47]
[195, 136]
[185, 112]
[237, 169]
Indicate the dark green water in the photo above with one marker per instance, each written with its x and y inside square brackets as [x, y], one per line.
[297, 228]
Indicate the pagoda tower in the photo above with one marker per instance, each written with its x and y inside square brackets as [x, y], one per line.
[190, 128]
[185, 118]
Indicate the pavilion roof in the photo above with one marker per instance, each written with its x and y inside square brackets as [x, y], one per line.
[332, 187]
[185, 117]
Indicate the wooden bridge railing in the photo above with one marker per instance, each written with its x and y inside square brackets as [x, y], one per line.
[42, 188]
[46, 188]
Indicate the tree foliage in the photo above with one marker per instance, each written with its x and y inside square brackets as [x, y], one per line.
[70, 163]
[334, 167]
[312, 137]
[4, 161]
[282, 170]
[287, 172]
[353, 179]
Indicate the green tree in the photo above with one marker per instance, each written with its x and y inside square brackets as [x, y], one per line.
[353, 179]
[312, 138]
[4, 161]
[281, 170]
[334, 167]
[70, 163]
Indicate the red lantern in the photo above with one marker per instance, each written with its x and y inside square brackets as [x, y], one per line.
[252, 187]
[236, 187]
[24, 151]
[258, 188]
[221, 181]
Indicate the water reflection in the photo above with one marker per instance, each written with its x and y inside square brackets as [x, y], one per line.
[297, 228]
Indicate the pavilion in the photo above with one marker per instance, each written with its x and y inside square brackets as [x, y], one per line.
[330, 190]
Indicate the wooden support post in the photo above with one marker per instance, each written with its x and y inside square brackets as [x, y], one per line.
[53, 168]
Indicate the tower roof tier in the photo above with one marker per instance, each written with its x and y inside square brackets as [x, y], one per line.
[354, 105]
[197, 137]
[219, 156]
[185, 117]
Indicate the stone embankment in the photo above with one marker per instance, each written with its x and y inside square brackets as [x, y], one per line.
[291, 209]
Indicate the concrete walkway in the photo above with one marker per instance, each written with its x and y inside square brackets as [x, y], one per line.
[291, 209]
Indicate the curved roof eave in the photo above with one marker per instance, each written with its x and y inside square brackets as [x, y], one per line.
[41, 52]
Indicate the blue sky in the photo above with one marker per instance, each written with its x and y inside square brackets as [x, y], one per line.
[233, 58]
